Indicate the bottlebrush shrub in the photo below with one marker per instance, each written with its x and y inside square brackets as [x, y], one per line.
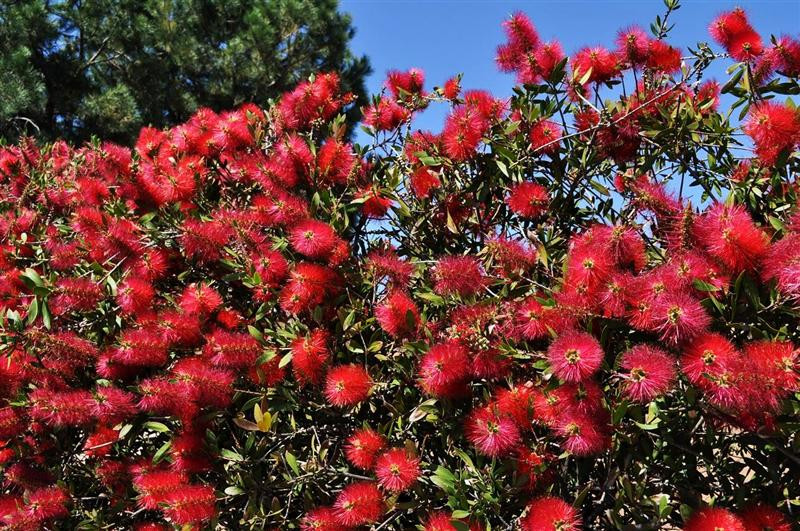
[574, 308]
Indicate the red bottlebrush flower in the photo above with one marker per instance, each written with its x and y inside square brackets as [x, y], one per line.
[785, 55]
[545, 136]
[423, 181]
[358, 504]
[397, 470]
[405, 84]
[531, 319]
[462, 275]
[204, 240]
[463, 130]
[762, 517]
[575, 356]
[200, 298]
[150, 526]
[145, 347]
[385, 115]
[522, 40]
[746, 46]
[231, 349]
[335, 162]
[321, 519]
[154, 485]
[444, 370]
[135, 296]
[603, 64]
[48, 504]
[663, 58]
[75, 294]
[775, 364]
[207, 386]
[650, 372]
[510, 257]
[548, 513]
[585, 397]
[589, 263]
[160, 395]
[270, 265]
[61, 408]
[729, 235]
[279, 209]
[528, 200]
[362, 448]
[782, 264]
[707, 99]
[99, 443]
[634, 45]
[398, 315]
[11, 423]
[488, 108]
[774, 128]
[452, 88]
[728, 25]
[189, 454]
[714, 519]
[375, 206]
[583, 436]
[490, 433]
[113, 405]
[232, 131]
[189, 504]
[313, 239]
[347, 385]
[309, 285]
[310, 354]
[534, 466]
[678, 317]
[517, 403]
[180, 329]
[707, 358]
[384, 263]
[267, 374]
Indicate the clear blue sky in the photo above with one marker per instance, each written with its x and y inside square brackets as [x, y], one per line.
[445, 37]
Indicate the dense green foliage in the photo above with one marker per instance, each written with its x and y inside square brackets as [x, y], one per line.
[109, 67]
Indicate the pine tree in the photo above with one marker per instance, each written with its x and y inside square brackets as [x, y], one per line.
[77, 68]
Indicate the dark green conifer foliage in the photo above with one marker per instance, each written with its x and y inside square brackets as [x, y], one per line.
[77, 68]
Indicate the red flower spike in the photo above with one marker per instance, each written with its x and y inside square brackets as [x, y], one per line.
[347, 385]
[362, 448]
[358, 504]
[549, 513]
[650, 373]
[491, 432]
[397, 470]
[575, 356]
[714, 519]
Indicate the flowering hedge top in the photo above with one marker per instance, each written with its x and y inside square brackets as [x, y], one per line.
[248, 321]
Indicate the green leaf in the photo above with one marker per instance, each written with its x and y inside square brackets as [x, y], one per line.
[156, 426]
[233, 491]
[291, 460]
[256, 333]
[230, 455]
[32, 278]
[159, 455]
[285, 360]
[33, 311]
[444, 479]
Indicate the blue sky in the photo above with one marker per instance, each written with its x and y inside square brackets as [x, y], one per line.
[446, 37]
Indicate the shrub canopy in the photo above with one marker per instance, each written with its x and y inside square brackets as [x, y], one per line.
[575, 308]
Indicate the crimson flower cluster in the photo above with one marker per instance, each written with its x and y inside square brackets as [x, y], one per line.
[573, 308]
